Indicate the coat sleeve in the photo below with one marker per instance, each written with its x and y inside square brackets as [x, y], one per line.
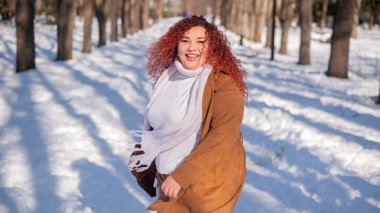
[228, 109]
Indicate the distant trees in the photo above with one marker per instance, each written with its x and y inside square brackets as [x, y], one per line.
[25, 51]
[373, 8]
[340, 39]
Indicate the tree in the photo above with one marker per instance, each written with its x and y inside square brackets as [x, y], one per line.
[145, 14]
[101, 13]
[260, 9]
[88, 13]
[322, 21]
[356, 19]
[305, 10]
[114, 15]
[65, 25]
[195, 7]
[125, 18]
[340, 39]
[373, 7]
[158, 9]
[134, 16]
[287, 14]
[25, 52]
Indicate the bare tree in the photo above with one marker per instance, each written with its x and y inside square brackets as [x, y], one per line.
[88, 13]
[306, 21]
[195, 7]
[322, 22]
[65, 25]
[340, 39]
[134, 16]
[114, 16]
[158, 9]
[286, 17]
[145, 14]
[102, 8]
[260, 9]
[25, 52]
[354, 32]
[125, 18]
[268, 20]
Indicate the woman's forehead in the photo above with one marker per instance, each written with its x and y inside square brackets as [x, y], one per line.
[195, 32]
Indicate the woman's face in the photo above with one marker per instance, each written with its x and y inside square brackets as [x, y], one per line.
[192, 48]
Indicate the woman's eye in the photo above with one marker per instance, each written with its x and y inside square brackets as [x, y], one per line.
[184, 41]
[202, 42]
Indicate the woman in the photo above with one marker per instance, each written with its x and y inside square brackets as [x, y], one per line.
[192, 143]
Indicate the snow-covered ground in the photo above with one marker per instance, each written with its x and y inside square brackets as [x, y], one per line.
[312, 142]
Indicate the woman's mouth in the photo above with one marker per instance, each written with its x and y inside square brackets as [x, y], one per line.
[191, 57]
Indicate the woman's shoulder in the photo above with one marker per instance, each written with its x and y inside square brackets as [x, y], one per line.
[223, 81]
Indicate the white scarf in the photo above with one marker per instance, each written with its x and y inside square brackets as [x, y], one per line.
[157, 141]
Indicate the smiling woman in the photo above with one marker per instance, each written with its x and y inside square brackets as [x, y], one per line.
[191, 143]
[192, 48]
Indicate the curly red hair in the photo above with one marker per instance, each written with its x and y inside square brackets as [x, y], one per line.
[163, 53]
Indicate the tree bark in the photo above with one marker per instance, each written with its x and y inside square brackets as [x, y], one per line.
[65, 26]
[371, 21]
[322, 22]
[354, 33]
[145, 14]
[88, 13]
[260, 9]
[268, 21]
[25, 51]
[101, 12]
[306, 21]
[340, 39]
[158, 7]
[125, 18]
[287, 15]
[114, 16]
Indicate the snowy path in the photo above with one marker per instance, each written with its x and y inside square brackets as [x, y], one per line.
[312, 143]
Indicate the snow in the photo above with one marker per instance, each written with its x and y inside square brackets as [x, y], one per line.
[312, 142]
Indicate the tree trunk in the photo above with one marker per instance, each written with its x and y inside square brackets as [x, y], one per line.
[215, 9]
[158, 7]
[125, 18]
[340, 39]
[371, 21]
[114, 16]
[354, 33]
[268, 21]
[65, 26]
[79, 8]
[260, 9]
[88, 13]
[287, 15]
[25, 51]
[306, 21]
[145, 14]
[134, 16]
[322, 22]
[225, 10]
[101, 9]
[195, 7]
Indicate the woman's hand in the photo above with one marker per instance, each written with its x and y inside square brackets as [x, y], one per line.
[170, 187]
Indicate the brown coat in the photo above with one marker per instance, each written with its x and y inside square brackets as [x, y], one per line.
[213, 175]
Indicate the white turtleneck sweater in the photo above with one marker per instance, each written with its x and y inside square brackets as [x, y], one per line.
[170, 108]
